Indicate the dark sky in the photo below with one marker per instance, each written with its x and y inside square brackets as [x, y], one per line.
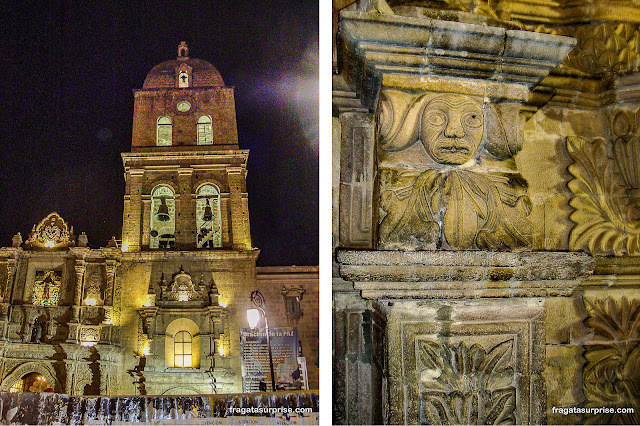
[69, 69]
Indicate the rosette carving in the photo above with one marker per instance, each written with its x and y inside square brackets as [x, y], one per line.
[467, 385]
[611, 376]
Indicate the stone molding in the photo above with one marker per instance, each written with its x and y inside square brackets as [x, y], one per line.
[411, 48]
[463, 274]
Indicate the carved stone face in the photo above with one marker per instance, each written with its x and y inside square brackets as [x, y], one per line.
[452, 128]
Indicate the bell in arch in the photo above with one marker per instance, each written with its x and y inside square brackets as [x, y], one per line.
[208, 213]
[163, 211]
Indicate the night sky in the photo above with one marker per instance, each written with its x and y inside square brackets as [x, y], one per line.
[69, 69]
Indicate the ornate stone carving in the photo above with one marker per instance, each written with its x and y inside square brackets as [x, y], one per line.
[182, 289]
[465, 193]
[93, 287]
[607, 212]
[89, 335]
[611, 374]
[466, 385]
[604, 48]
[51, 232]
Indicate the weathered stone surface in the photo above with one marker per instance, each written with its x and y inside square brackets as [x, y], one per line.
[442, 354]
[414, 47]
[461, 274]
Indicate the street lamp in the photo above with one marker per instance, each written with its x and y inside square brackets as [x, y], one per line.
[253, 317]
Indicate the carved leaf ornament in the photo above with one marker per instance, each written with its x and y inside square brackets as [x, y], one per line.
[472, 207]
[611, 376]
[607, 222]
[467, 385]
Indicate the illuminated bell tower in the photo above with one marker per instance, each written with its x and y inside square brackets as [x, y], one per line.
[185, 175]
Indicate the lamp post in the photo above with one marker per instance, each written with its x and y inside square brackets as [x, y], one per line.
[253, 316]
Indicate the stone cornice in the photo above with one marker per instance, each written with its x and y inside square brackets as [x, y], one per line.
[414, 51]
[463, 274]
[191, 255]
[194, 158]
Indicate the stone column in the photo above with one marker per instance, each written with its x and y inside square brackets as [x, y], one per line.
[185, 211]
[428, 180]
[146, 222]
[132, 216]
[7, 288]
[111, 266]
[239, 209]
[80, 268]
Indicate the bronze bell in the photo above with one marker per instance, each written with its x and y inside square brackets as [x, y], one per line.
[163, 211]
[208, 213]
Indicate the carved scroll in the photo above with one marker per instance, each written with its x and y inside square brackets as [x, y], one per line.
[464, 192]
[611, 376]
[467, 385]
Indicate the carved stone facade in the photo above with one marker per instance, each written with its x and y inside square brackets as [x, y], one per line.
[158, 312]
[486, 197]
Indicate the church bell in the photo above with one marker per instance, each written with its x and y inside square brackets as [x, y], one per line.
[163, 211]
[208, 213]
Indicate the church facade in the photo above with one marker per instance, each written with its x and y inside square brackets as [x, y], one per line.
[160, 311]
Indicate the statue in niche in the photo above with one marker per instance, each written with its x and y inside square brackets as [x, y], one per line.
[464, 192]
[37, 331]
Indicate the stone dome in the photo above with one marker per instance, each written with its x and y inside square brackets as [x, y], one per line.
[163, 76]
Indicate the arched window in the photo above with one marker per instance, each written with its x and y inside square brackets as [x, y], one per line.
[163, 131]
[208, 220]
[183, 79]
[162, 221]
[182, 350]
[205, 132]
[182, 344]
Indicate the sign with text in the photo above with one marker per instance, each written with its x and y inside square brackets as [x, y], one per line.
[255, 359]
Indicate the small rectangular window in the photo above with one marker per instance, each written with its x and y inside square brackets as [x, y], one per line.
[293, 304]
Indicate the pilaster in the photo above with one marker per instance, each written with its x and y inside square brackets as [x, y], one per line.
[239, 209]
[132, 217]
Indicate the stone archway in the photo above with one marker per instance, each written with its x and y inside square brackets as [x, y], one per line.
[31, 367]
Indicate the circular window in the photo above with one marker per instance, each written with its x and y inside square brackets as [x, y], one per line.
[183, 106]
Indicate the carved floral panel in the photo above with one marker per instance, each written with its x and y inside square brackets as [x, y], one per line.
[606, 190]
[463, 384]
[611, 376]
[447, 175]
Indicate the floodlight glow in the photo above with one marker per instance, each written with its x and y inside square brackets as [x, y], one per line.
[253, 316]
